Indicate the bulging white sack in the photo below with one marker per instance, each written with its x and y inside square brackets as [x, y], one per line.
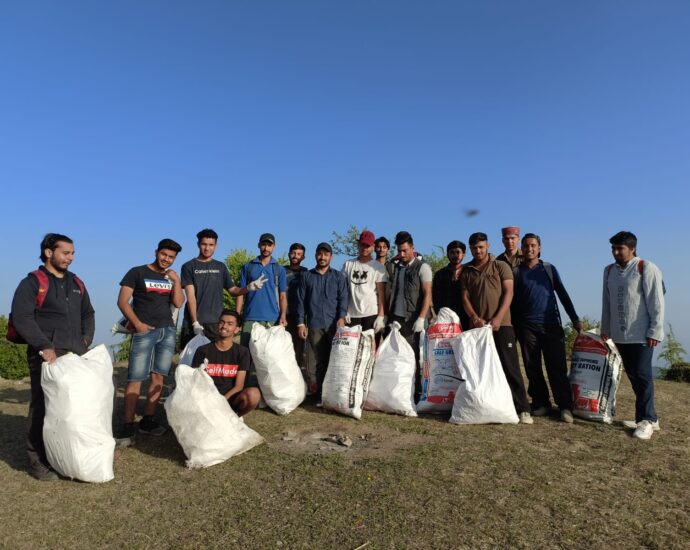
[483, 396]
[349, 371]
[77, 430]
[439, 368]
[280, 378]
[392, 385]
[595, 373]
[208, 430]
[190, 349]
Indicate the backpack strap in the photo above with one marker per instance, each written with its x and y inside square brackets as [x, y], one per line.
[43, 284]
[275, 280]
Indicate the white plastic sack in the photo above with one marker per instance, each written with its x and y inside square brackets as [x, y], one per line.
[595, 373]
[189, 350]
[349, 371]
[483, 395]
[392, 384]
[280, 378]
[77, 430]
[440, 377]
[208, 430]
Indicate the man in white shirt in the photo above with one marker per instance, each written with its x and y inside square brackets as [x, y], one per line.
[366, 279]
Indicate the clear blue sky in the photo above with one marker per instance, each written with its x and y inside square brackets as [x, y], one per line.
[126, 122]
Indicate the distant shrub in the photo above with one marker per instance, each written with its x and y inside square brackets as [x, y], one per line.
[678, 372]
[13, 365]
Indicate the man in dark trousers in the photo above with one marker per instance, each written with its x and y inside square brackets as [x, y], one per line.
[63, 323]
[539, 329]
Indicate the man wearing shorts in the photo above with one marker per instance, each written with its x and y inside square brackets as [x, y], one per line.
[230, 365]
[153, 289]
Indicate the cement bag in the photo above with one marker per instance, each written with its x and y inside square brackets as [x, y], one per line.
[439, 368]
[206, 427]
[189, 350]
[595, 373]
[280, 378]
[349, 371]
[392, 385]
[483, 395]
[77, 430]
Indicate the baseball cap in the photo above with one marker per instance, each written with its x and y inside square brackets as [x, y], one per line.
[367, 238]
[267, 237]
[324, 246]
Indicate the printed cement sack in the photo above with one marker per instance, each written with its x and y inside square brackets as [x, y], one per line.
[392, 385]
[349, 371]
[280, 378]
[77, 430]
[439, 368]
[190, 349]
[595, 373]
[483, 395]
[206, 427]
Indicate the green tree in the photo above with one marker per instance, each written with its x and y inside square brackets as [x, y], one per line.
[122, 353]
[571, 333]
[672, 351]
[13, 365]
[437, 259]
[235, 260]
[346, 244]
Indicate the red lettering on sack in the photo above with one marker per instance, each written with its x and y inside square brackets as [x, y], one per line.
[219, 370]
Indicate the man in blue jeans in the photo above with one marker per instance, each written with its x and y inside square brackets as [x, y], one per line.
[153, 288]
[633, 317]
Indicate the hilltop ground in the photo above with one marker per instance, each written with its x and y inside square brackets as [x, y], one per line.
[404, 483]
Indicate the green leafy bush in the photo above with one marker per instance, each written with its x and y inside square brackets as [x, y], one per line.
[678, 372]
[13, 363]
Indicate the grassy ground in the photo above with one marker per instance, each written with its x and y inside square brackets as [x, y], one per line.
[404, 483]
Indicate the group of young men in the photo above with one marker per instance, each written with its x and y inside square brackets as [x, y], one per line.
[516, 293]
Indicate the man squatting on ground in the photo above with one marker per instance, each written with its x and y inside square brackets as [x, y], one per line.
[230, 365]
[321, 307]
[410, 298]
[65, 322]
[633, 317]
[487, 290]
[445, 289]
[153, 289]
[539, 328]
[367, 280]
[293, 276]
[203, 280]
[268, 305]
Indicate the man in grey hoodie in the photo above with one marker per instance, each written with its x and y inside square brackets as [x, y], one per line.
[633, 317]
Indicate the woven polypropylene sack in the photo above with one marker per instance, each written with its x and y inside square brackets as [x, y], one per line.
[77, 430]
[280, 378]
[483, 395]
[206, 427]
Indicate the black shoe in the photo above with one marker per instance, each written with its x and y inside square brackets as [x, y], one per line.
[149, 426]
[42, 472]
[126, 436]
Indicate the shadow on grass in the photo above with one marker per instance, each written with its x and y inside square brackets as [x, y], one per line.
[13, 440]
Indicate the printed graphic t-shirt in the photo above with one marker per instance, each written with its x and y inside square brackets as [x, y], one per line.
[151, 296]
[223, 366]
[361, 282]
[209, 279]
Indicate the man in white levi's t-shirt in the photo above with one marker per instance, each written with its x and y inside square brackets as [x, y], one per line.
[366, 281]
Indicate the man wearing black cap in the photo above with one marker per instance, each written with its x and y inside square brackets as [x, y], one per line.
[293, 275]
[321, 307]
[268, 305]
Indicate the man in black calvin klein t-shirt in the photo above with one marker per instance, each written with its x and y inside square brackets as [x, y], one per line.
[229, 365]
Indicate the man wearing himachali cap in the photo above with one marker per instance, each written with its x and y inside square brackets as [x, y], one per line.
[511, 241]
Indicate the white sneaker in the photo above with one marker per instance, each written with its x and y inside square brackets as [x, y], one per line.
[644, 430]
[631, 424]
[526, 418]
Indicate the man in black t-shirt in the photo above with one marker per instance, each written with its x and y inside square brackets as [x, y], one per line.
[230, 365]
[153, 288]
[293, 276]
[203, 280]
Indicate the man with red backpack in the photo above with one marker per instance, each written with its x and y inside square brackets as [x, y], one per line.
[52, 313]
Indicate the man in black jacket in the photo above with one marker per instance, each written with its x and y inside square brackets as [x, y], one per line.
[63, 322]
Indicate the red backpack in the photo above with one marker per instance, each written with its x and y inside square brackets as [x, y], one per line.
[43, 284]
